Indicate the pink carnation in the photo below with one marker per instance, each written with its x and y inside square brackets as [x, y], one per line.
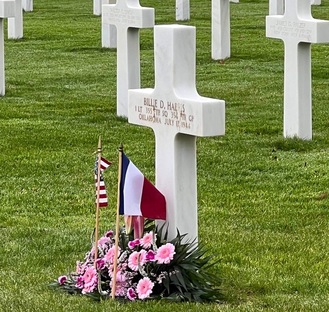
[131, 294]
[150, 256]
[79, 282]
[147, 240]
[62, 279]
[165, 253]
[144, 288]
[135, 259]
[102, 241]
[134, 243]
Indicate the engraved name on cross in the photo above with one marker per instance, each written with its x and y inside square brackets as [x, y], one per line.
[298, 29]
[128, 17]
[177, 114]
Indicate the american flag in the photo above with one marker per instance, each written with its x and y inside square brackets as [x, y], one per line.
[102, 200]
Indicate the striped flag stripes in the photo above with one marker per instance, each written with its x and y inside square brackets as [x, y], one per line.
[102, 200]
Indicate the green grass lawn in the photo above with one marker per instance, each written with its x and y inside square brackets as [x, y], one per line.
[263, 200]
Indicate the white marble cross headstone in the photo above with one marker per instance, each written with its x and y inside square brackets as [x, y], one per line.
[7, 9]
[27, 5]
[220, 29]
[182, 10]
[298, 29]
[177, 114]
[276, 7]
[15, 24]
[109, 32]
[97, 7]
[128, 17]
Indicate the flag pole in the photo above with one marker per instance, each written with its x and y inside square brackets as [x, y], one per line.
[99, 155]
[117, 227]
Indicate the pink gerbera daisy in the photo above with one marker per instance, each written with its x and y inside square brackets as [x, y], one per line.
[109, 257]
[135, 259]
[147, 240]
[144, 288]
[90, 280]
[165, 253]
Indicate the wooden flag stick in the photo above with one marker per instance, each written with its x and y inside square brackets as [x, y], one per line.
[99, 155]
[117, 228]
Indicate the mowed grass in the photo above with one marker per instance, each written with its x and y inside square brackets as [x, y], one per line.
[263, 200]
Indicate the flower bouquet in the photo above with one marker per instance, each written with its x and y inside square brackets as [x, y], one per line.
[147, 268]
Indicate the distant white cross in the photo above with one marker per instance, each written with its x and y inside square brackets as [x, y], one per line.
[27, 5]
[109, 32]
[128, 17]
[276, 7]
[298, 29]
[182, 10]
[7, 9]
[220, 30]
[15, 24]
[177, 114]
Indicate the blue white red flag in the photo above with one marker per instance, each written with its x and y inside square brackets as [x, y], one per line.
[138, 196]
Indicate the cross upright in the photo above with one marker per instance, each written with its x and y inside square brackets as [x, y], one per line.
[108, 32]
[182, 10]
[7, 9]
[27, 5]
[15, 24]
[276, 7]
[128, 17]
[177, 114]
[298, 30]
[220, 30]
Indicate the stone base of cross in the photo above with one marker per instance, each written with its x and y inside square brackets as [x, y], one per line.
[177, 114]
[298, 30]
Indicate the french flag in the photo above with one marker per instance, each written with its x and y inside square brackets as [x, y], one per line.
[138, 196]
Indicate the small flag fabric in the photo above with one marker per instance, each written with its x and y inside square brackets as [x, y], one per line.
[105, 163]
[102, 196]
[138, 196]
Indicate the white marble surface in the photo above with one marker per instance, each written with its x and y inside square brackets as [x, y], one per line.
[276, 7]
[27, 5]
[128, 17]
[298, 30]
[15, 24]
[109, 32]
[177, 114]
[7, 9]
[182, 10]
[220, 30]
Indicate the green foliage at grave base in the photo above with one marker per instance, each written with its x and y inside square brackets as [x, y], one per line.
[263, 200]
